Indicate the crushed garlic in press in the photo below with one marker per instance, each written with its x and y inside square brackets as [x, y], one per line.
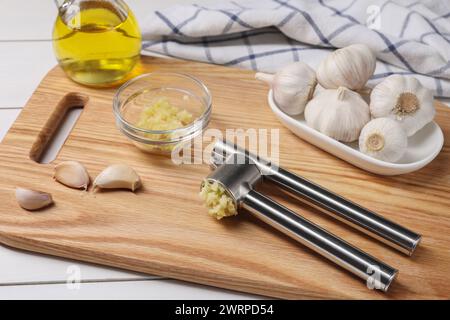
[217, 200]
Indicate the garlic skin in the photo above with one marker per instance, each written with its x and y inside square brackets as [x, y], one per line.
[405, 100]
[118, 176]
[339, 114]
[383, 139]
[72, 174]
[292, 86]
[349, 67]
[32, 199]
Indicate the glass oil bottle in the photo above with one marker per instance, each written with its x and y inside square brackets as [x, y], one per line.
[96, 42]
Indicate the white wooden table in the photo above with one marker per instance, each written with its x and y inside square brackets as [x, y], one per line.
[25, 57]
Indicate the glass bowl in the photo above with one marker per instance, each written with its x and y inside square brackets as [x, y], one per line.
[179, 90]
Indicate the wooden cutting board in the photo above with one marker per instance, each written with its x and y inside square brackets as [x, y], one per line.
[164, 230]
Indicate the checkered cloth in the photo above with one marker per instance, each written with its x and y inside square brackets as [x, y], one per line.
[409, 37]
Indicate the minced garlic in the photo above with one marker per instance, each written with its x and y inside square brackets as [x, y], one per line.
[162, 115]
[217, 200]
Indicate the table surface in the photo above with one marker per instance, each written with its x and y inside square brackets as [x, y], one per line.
[25, 57]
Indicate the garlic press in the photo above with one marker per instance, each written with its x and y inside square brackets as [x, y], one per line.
[239, 172]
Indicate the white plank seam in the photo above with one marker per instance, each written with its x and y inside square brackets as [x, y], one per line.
[33, 283]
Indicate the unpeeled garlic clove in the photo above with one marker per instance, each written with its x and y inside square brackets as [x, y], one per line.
[72, 174]
[383, 139]
[349, 67]
[118, 176]
[32, 199]
[292, 86]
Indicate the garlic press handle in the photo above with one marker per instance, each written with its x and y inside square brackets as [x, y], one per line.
[375, 273]
[346, 211]
[374, 225]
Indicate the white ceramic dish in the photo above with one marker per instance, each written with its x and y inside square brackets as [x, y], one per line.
[423, 147]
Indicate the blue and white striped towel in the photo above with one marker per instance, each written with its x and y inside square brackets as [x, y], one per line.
[409, 37]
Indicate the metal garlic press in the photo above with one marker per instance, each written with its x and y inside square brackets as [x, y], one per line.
[239, 172]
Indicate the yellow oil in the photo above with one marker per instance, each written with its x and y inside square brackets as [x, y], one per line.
[98, 44]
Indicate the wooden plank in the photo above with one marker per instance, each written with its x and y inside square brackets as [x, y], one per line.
[22, 66]
[164, 230]
[7, 117]
[120, 290]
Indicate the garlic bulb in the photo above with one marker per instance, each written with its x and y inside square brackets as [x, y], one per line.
[383, 139]
[72, 174]
[33, 200]
[349, 67]
[118, 176]
[293, 86]
[405, 100]
[339, 114]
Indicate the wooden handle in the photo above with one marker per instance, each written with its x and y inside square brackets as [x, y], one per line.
[69, 101]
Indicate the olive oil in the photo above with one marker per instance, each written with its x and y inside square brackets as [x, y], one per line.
[96, 42]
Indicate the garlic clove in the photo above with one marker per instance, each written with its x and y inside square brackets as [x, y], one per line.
[339, 114]
[405, 100]
[118, 176]
[349, 67]
[383, 139]
[32, 200]
[293, 86]
[72, 174]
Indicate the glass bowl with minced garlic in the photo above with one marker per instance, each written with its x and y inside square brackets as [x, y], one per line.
[161, 112]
